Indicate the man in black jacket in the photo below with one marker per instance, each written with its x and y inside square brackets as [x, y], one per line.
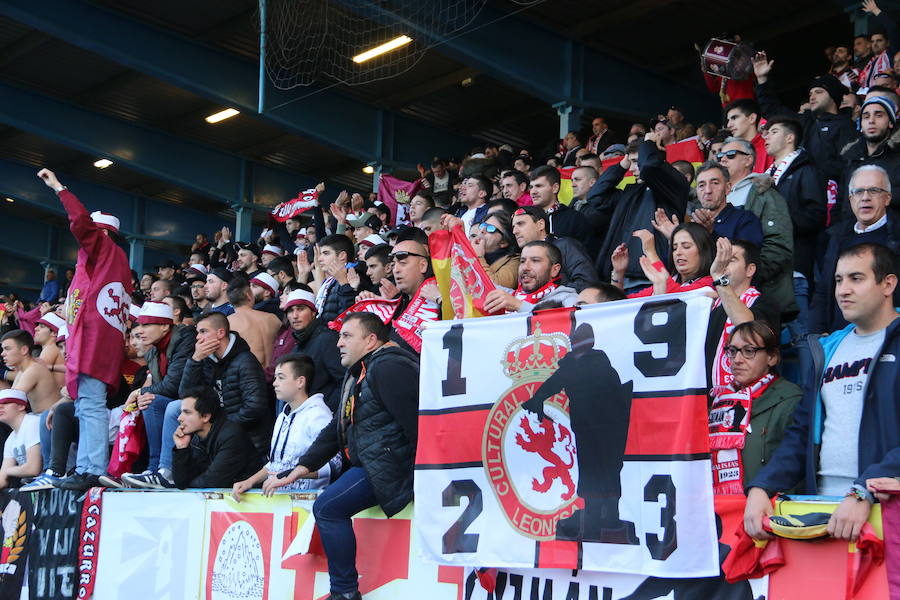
[336, 295]
[530, 225]
[657, 185]
[375, 429]
[211, 451]
[826, 130]
[168, 348]
[314, 339]
[561, 220]
[223, 360]
[870, 198]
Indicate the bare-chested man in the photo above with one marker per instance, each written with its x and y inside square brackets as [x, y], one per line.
[46, 330]
[258, 328]
[30, 376]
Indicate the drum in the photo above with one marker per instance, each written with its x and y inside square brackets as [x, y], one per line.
[728, 59]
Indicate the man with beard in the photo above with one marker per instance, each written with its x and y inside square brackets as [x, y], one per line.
[878, 146]
[826, 130]
[217, 291]
[841, 69]
[539, 267]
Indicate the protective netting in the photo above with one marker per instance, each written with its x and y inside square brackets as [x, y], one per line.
[312, 41]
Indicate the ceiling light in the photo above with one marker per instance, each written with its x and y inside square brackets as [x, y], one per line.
[8, 199]
[222, 115]
[368, 169]
[103, 163]
[395, 43]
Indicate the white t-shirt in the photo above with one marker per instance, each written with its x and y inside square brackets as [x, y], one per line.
[18, 442]
[441, 184]
[294, 433]
[843, 388]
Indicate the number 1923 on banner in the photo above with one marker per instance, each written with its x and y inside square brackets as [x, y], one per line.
[569, 438]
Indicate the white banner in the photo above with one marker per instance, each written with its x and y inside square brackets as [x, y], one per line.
[573, 439]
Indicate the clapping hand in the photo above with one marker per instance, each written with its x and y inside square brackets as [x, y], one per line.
[663, 224]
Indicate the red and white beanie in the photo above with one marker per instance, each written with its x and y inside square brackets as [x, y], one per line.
[105, 220]
[271, 249]
[52, 321]
[301, 297]
[264, 280]
[197, 269]
[12, 396]
[156, 313]
[371, 240]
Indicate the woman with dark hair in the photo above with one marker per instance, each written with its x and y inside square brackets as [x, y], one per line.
[691, 252]
[748, 417]
[496, 249]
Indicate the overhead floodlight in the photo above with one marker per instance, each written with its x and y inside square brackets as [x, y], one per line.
[103, 163]
[222, 115]
[368, 169]
[395, 43]
[10, 200]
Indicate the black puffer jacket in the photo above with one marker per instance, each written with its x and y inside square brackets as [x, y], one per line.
[632, 208]
[381, 431]
[239, 381]
[181, 346]
[224, 457]
[803, 187]
[577, 270]
[319, 343]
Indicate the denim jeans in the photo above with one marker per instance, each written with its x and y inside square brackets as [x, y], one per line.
[170, 424]
[153, 421]
[350, 494]
[93, 426]
[46, 440]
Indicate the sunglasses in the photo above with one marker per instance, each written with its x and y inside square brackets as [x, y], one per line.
[488, 228]
[730, 154]
[403, 255]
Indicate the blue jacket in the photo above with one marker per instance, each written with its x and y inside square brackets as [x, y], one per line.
[879, 430]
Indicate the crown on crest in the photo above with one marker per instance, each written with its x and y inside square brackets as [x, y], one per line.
[535, 356]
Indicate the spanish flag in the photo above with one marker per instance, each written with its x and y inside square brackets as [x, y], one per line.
[461, 278]
[565, 185]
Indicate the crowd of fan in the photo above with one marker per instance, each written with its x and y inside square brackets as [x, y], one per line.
[241, 382]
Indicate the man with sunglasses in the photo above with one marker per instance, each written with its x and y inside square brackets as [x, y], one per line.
[870, 199]
[756, 193]
[846, 430]
[497, 250]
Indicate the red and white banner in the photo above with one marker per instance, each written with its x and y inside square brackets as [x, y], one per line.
[89, 544]
[396, 194]
[304, 201]
[551, 443]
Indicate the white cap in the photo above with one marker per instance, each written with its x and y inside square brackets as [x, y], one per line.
[156, 312]
[372, 240]
[264, 280]
[53, 321]
[12, 396]
[301, 297]
[199, 269]
[271, 249]
[62, 334]
[105, 220]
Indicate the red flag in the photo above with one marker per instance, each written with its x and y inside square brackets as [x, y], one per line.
[686, 149]
[396, 194]
[304, 201]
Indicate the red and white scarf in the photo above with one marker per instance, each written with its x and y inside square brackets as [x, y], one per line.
[877, 64]
[729, 420]
[721, 371]
[408, 324]
[536, 296]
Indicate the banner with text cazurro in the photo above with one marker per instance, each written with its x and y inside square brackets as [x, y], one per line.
[570, 438]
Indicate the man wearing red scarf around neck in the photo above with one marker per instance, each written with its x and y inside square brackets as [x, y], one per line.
[96, 311]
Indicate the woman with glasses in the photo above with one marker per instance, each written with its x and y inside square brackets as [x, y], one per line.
[691, 252]
[748, 417]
